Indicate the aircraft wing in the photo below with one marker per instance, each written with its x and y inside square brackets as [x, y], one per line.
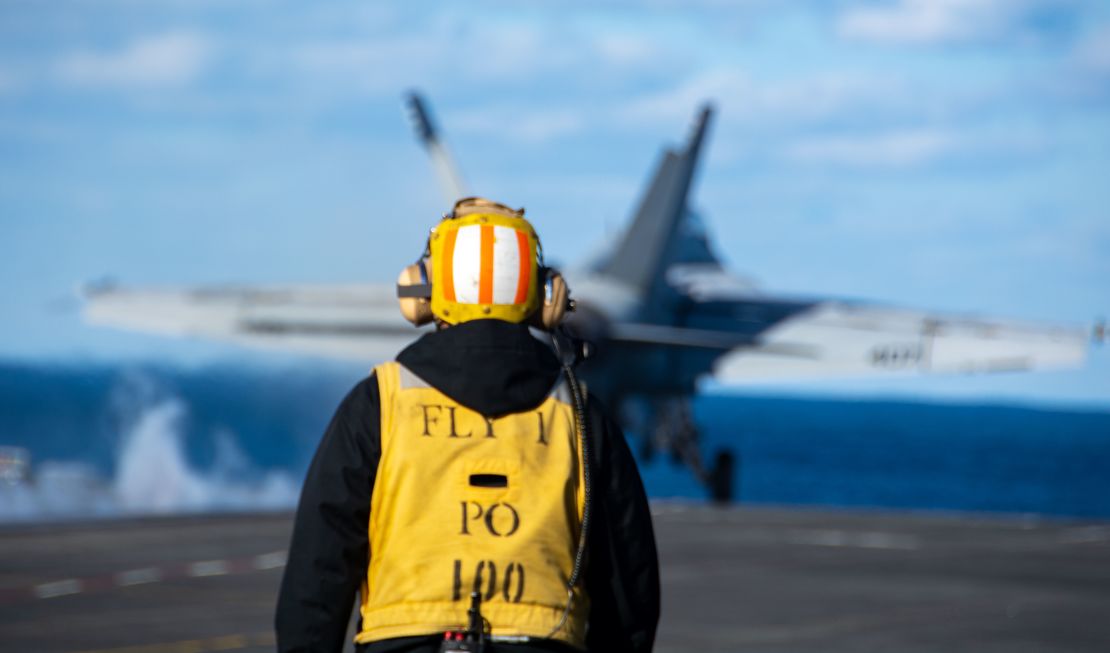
[836, 339]
[349, 322]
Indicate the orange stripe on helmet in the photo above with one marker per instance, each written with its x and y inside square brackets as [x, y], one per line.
[448, 265]
[524, 278]
[485, 280]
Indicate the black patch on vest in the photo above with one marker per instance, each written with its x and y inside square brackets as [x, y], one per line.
[489, 480]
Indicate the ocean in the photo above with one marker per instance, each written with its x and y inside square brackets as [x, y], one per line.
[109, 441]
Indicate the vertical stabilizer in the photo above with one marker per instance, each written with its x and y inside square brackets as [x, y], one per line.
[450, 180]
[641, 255]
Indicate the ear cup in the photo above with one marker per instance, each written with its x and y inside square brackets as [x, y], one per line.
[417, 310]
[556, 297]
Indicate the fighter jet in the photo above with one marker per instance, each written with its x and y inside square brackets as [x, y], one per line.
[658, 312]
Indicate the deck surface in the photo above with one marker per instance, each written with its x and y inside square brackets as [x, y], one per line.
[740, 579]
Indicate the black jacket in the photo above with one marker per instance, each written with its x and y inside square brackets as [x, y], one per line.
[494, 368]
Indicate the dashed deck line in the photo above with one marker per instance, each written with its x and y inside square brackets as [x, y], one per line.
[236, 642]
[141, 576]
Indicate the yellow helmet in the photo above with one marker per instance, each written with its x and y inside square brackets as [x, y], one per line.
[484, 260]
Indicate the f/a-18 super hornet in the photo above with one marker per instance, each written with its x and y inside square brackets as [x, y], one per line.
[660, 312]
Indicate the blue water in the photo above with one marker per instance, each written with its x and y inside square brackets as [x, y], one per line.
[911, 455]
[232, 427]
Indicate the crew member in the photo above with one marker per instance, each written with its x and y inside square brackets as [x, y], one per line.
[473, 469]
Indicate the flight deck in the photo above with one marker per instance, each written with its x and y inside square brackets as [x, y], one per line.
[734, 579]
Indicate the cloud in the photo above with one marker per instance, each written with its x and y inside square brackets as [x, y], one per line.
[453, 52]
[805, 99]
[169, 59]
[8, 81]
[361, 64]
[524, 125]
[928, 22]
[1093, 54]
[625, 49]
[895, 149]
[1077, 82]
[907, 148]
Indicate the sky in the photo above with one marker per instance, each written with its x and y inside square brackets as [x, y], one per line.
[950, 155]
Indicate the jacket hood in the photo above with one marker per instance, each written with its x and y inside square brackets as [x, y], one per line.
[490, 366]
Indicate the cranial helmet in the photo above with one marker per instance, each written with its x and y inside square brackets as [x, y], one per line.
[482, 261]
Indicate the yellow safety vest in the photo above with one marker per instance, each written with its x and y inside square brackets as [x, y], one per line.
[467, 503]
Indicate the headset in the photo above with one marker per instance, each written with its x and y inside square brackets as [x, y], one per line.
[414, 285]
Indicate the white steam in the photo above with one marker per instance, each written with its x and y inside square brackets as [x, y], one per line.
[152, 476]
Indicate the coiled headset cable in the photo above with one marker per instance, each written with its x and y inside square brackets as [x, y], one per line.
[584, 439]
